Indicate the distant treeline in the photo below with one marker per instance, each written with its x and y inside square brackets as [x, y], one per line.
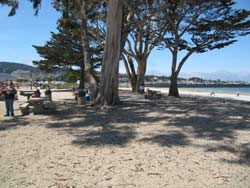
[196, 85]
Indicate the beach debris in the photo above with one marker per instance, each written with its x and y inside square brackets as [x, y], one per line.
[154, 174]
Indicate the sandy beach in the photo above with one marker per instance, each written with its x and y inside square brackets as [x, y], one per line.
[189, 142]
[204, 94]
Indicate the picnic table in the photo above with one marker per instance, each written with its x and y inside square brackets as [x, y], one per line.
[28, 94]
[37, 104]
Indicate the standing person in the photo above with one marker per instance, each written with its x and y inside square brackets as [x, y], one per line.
[9, 97]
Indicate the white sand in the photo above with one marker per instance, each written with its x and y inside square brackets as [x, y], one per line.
[217, 95]
[196, 93]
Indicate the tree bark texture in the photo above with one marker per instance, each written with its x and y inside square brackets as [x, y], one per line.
[141, 70]
[85, 45]
[108, 93]
[173, 88]
[82, 77]
[132, 76]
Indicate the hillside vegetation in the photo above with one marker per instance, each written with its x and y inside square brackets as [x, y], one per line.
[9, 67]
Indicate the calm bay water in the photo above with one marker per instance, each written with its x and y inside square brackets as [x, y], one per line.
[228, 90]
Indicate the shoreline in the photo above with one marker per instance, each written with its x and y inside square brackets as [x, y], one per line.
[204, 94]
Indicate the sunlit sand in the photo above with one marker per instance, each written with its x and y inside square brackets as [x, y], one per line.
[186, 142]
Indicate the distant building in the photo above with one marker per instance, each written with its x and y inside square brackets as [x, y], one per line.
[7, 77]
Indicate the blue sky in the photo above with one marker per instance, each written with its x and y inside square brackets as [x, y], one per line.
[20, 32]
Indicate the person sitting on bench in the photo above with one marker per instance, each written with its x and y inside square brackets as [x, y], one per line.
[36, 94]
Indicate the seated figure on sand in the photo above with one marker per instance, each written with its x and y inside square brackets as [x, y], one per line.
[141, 89]
[36, 94]
[212, 93]
[151, 94]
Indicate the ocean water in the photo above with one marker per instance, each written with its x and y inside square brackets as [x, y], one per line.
[228, 90]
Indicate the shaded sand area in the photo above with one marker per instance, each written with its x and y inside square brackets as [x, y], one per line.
[176, 143]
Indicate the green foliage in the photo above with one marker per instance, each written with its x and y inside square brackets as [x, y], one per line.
[49, 79]
[65, 86]
[72, 76]
[59, 86]
[65, 47]
[14, 5]
[199, 26]
[63, 50]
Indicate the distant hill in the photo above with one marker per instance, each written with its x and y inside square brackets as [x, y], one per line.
[26, 72]
[9, 67]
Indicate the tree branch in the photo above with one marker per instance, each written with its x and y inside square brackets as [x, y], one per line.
[184, 60]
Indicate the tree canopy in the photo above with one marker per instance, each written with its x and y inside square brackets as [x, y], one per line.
[64, 49]
[197, 26]
[187, 26]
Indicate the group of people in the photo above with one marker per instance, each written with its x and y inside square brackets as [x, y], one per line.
[80, 92]
[9, 94]
[237, 94]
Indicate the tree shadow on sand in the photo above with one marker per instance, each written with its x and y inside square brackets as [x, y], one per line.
[183, 119]
[13, 123]
[98, 127]
[108, 136]
[218, 121]
[171, 139]
[242, 151]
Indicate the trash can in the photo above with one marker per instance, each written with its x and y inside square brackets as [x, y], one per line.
[48, 95]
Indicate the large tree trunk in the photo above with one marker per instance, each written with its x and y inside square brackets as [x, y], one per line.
[82, 77]
[126, 29]
[108, 93]
[141, 75]
[93, 86]
[129, 66]
[133, 84]
[132, 79]
[85, 45]
[173, 88]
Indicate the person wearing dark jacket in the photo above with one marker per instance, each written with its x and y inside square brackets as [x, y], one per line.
[9, 96]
